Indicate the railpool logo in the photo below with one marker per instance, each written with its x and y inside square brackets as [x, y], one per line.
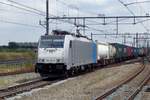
[52, 51]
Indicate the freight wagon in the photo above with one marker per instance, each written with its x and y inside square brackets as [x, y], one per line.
[105, 53]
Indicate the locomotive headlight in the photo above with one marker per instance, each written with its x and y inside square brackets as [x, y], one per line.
[58, 60]
[41, 60]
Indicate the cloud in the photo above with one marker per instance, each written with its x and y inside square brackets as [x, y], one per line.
[12, 32]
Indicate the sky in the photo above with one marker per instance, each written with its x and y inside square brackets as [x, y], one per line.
[29, 29]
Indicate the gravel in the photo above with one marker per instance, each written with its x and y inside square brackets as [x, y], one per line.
[143, 95]
[126, 90]
[84, 87]
[11, 80]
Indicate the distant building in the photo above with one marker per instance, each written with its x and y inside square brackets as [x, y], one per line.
[23, 44]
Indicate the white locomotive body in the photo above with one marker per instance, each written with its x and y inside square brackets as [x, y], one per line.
[51, 49]
[58, 54]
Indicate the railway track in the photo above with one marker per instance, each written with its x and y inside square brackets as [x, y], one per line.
[32, 70]
[130, 94]
[36, 83]
[18, 61]
[123, 63]
[144, 93]
[133, 95]
[27, 86]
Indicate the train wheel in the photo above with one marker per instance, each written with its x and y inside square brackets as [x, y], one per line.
[89, 68]
[43, 75]
[92, 67]
[66, 74]
[36, 70]
[72, 72]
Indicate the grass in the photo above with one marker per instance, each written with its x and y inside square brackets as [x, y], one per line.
[8, 49]
[14, 54]
[17, 55]
[11, 69]
[3, 82]
[16, 68]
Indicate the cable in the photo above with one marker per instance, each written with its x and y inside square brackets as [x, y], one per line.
[148, 1]
[133, 14]
[30, 11]
[95, 29]
[10, 11]
[25, 6]
[17, 23]
[25, 10]
[63, 3]
[22, 8]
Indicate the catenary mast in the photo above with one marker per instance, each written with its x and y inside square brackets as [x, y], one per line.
[47, 17]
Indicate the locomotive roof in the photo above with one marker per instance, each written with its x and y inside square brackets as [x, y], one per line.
[52, 37]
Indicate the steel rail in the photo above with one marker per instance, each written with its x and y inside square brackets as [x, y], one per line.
[132, 96]
[16, 61]
[27, 86]
[144, 82]
[113, 89]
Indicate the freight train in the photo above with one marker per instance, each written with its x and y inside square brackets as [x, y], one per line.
[67, 54]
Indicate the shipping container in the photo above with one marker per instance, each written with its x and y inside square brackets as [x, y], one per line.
[135, 52]
[121, 50]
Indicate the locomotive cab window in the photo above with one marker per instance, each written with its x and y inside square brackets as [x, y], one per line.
[70, 45]
[52, 42]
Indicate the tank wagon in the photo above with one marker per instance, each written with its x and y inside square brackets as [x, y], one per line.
[68, 54]
[105, 53]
